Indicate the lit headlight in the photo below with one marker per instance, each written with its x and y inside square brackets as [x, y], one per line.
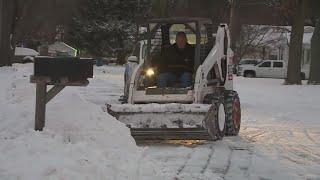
[150, 72]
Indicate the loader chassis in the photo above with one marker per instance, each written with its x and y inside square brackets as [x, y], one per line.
[208, 109]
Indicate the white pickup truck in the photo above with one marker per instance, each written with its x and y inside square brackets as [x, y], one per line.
[268, 69]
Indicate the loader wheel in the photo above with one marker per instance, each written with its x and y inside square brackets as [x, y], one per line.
[216, 120]
[249, 74]
[233, 113]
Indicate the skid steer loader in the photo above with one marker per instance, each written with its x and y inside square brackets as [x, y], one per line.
[207, 110]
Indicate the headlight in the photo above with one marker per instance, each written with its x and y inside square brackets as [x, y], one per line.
[150, 72]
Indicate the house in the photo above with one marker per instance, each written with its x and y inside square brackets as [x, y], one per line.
[274, 45]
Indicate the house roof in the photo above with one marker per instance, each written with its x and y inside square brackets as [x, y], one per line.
[60, 47]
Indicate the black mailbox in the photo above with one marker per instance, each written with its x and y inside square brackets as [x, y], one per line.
[72, 68]
[58, 72]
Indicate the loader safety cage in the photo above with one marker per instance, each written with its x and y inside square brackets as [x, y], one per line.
[201, 27]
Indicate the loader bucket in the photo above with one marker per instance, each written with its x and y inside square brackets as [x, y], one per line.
[163, 121]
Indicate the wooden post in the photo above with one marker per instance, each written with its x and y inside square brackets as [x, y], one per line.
[43, 96]
[40, 106]
[53, 92]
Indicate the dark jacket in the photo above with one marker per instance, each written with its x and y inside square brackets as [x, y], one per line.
[177, 60]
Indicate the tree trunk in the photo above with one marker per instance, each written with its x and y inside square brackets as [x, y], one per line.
[235, 24]
[7, 24]
[296, 38]
[314, 77]
[235, 30]
[315, 55]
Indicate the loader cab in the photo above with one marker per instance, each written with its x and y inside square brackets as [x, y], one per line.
[161, 35]
[211, 54]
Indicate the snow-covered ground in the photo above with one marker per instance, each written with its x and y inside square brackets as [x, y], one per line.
[284, 122]
[80, 141]
[279, 139]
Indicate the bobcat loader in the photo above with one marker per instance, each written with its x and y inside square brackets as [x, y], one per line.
[207, 110]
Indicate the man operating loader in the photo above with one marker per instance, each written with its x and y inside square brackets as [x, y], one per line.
[177, 64]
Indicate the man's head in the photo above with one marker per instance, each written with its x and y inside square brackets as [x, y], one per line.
[181, 40]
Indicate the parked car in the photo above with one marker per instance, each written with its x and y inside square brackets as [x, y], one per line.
[24, 55]
[246, 62]
[249, 61]
[100, 61]
[268, 69]
[112, 60]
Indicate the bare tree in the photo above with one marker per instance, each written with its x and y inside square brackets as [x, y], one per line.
[296, 38]
[256, 39]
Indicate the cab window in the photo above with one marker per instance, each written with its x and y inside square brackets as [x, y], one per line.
[175, 28]
[265, 64]
[278, 64]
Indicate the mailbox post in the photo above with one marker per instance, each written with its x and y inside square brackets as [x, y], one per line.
[59, 73]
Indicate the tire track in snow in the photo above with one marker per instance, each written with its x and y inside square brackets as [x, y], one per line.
[228, 165]
[201, 163]
[181, 168]
[220, 160]
[240, 161]
[208, 160]
[297, 146]
[306, 132]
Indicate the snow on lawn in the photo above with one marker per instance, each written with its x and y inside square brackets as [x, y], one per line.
[80, 141]
[284, 122]
[267, 100]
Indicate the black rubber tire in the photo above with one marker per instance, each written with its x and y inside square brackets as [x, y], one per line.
[212, 121]
[233, 113]
[249, 75]
[210, 98]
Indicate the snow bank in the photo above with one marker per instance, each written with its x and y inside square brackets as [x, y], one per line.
[80, 141]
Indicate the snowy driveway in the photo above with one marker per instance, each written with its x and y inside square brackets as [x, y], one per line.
[279, 139]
